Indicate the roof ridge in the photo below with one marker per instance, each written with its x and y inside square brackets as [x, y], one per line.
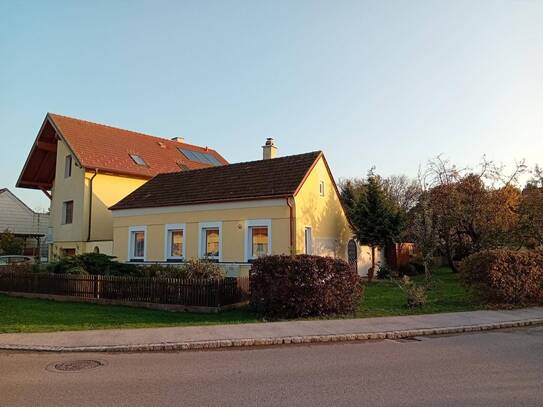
[317, 152]
[129, 131]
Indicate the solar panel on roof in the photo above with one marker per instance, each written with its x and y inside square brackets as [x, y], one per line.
[197, 156]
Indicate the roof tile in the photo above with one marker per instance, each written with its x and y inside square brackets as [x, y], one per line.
[278, 177]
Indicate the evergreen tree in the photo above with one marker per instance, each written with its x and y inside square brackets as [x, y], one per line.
[375, 218]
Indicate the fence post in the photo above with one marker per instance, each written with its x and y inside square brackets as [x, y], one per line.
[95, 278]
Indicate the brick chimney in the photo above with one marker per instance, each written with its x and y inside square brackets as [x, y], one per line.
[269, 149]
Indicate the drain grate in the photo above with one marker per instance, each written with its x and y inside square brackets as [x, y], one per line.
[75, 365]
[406, 340]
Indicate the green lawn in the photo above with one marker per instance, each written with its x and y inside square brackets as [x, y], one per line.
[33, 315]
[381, 299]
[384, 298]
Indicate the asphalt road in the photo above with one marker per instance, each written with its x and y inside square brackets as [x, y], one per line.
[498, 368]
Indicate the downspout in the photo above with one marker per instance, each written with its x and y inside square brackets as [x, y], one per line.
[90, 203]
[290, 203]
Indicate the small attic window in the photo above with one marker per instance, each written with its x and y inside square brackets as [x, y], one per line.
[138, 160]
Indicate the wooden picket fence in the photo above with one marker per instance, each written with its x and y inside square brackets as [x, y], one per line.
[213, 293]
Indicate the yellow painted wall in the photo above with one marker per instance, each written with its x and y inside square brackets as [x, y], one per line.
[233, 231]
[67, 189]
[324, 214]
[107, 190]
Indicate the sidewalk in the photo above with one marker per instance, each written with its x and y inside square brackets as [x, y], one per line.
[271, 333]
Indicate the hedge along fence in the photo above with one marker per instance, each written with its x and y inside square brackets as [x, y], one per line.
[506, 276]
[301, 286]
[208, 293]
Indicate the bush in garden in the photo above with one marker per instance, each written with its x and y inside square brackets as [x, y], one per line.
[505, 276]
[416, 295]
[192, 269]
[302, 286]
[384, 272]
[91, 263]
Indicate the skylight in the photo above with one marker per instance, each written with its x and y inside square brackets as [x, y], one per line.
[138, 160]
[204, 158]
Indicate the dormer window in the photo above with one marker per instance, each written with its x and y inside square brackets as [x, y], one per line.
[138, 160]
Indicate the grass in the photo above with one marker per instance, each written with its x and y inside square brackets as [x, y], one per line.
[35, 315]
[382, 298]
[385, 298]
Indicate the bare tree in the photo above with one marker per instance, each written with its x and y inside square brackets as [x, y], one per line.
[423, 227]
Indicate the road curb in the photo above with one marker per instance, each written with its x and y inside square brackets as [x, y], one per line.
[273, 341]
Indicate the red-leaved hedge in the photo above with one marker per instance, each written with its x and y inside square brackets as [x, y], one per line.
[302, 286]
[506, 276]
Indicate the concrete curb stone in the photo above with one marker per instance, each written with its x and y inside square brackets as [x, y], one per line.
[272, 341]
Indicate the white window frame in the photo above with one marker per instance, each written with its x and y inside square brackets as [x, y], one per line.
[321, 188]
[167, 241]
[201, 239]
[249, 224]
[131, 231]
[308, 250]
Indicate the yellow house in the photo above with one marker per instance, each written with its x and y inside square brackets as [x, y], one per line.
[85, 167]
[234, 213]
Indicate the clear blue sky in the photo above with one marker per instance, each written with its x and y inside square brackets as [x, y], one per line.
[381, 83]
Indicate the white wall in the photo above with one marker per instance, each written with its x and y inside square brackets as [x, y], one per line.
[364, 259]
[18, 218]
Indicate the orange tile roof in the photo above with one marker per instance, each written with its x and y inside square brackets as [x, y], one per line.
[108, 148]
[105, 148]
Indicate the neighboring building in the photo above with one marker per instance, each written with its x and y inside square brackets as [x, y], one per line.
[85, 167]
[24, 223]
[235, 213]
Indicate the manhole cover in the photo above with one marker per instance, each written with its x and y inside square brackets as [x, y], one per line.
[75, 365]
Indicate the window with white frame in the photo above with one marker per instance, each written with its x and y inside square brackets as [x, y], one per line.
[258, 238]
[321, 188]
[137, 249]
[175, 242]
[210, 240]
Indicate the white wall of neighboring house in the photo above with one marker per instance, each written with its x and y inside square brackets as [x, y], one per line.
[364, 259]
[20, 219]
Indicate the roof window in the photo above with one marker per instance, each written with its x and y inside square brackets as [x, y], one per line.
[138, 160]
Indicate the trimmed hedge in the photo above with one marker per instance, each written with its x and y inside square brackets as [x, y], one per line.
[302, 286]
[506, 276]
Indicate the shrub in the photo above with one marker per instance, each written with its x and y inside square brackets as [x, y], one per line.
[193, 268]
[92, 263]
[301, 286]
[10, 244]
[383, 272]
[505, 276]
[413, 268]
[416, 295]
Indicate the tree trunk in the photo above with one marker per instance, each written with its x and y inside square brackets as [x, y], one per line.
[371, 271]
[450, 259]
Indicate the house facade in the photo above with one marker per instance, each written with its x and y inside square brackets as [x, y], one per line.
[84, 168]
[235, 213]
[25, 223]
